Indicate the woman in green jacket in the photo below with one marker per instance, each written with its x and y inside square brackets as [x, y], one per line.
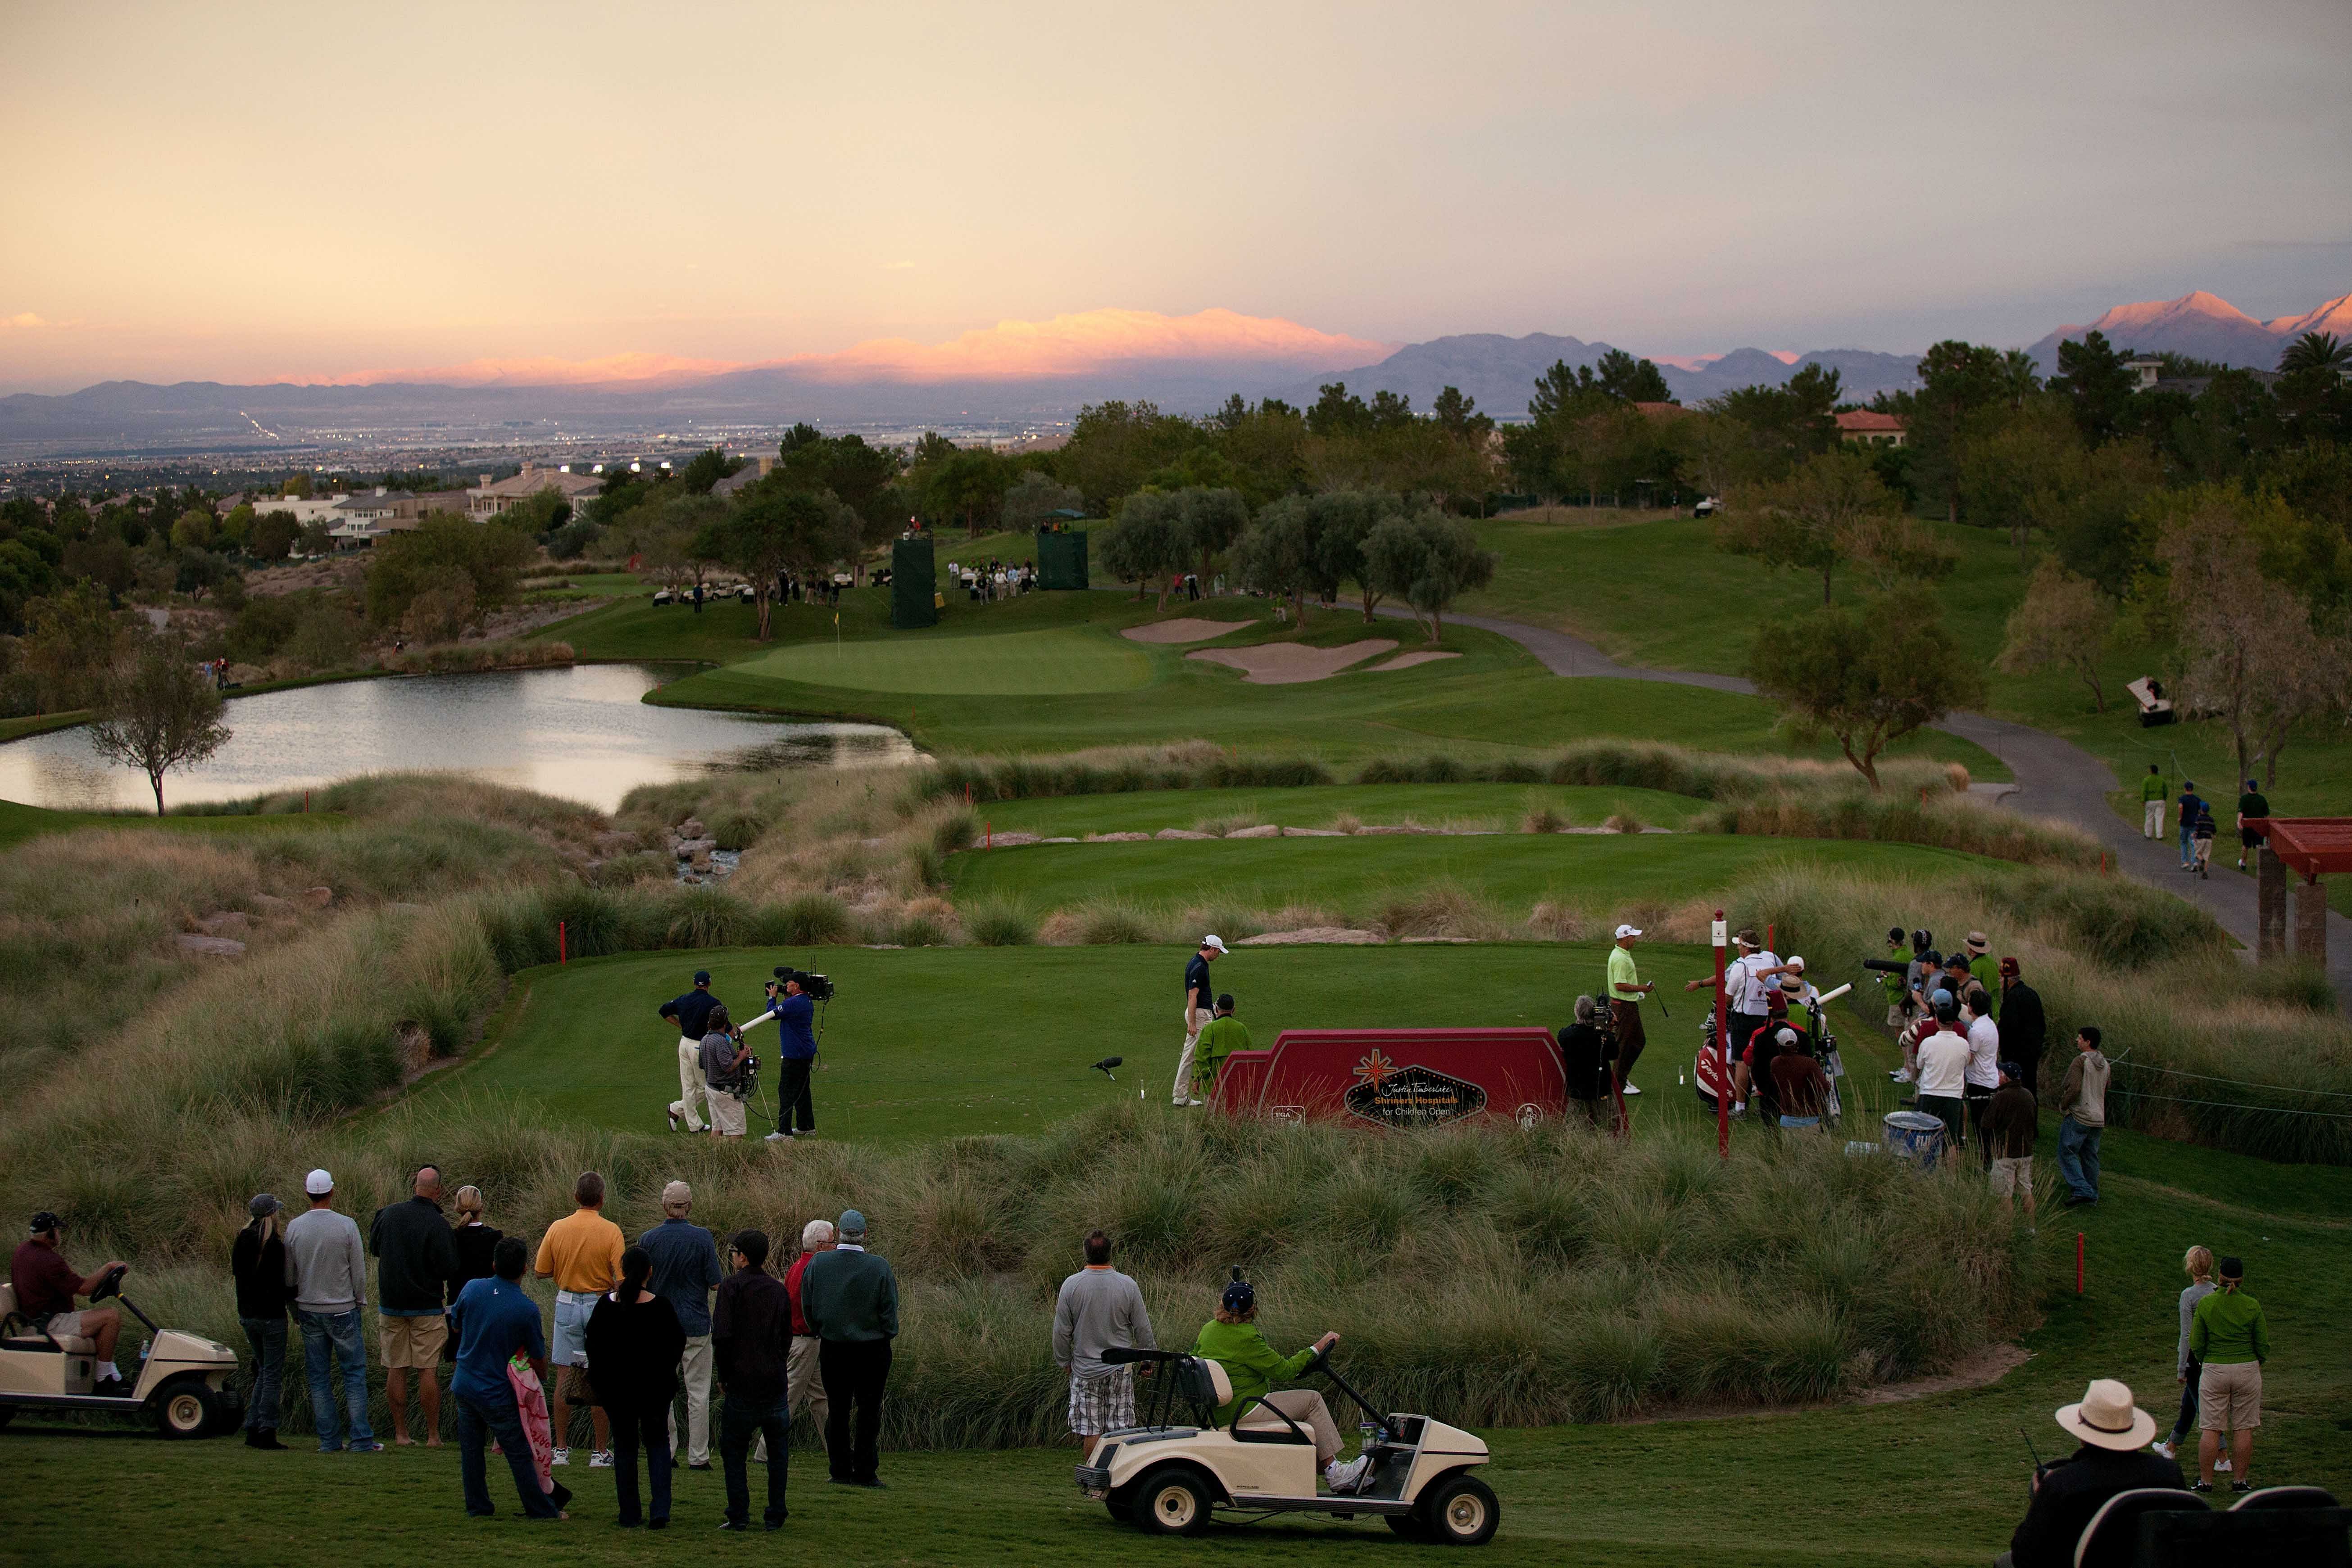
[1233, 1340]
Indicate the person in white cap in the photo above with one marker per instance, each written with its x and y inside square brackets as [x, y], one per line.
[1197, 996]
[2066, 1494]
[327, 1263]
[1626, 989]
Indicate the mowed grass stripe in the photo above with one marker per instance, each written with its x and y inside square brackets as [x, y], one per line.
[1314, 806]
[1051, 662]
[1597, 871]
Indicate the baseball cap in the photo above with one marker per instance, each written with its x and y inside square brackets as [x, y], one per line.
[852, 1224]
[2009, 968]
[263, 1206]
[1225, 1002]
[1239, 1297]
[702, 977]
[1216, 941]
[44, 1222]
[318, 1184]
[1796, 964]
[1628, 931]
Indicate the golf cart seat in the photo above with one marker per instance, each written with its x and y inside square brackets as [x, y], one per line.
[17, 1333]
[2112, 1538]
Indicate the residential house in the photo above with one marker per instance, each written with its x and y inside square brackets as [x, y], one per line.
[361, 520]
[491, 497]
[1866, 427]
[751, 473]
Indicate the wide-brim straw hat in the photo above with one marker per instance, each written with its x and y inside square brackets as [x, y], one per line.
[2107, 1417]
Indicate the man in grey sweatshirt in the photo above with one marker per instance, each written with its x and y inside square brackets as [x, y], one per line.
[1098, 1309]
[2081, 1117]
[326, 1263]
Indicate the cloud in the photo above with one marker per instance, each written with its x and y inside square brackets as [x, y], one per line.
[1090, 340]
[26, 321]
[1064, 346]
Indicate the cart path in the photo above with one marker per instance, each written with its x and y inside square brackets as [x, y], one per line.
[2054, 779]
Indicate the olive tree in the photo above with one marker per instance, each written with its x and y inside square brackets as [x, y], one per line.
[158, 712]
[1428, 560]
[2063, 622]
[1868, 675]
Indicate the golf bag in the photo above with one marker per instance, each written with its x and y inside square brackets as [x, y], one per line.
[1708, 1071]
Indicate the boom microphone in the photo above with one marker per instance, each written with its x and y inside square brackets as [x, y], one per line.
[1106, 1064]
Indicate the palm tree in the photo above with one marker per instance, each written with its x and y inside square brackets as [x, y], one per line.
[2317, 351]
[2021, 378]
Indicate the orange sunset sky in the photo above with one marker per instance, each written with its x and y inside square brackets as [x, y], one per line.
[331, 192]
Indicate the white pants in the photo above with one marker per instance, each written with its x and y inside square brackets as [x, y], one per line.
[693, 1382]
[2152, 819]
[691, 1089]
[1195, 1020]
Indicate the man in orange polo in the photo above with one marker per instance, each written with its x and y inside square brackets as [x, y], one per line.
[581, 1253]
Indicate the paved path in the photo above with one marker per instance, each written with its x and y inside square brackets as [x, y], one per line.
[2055, 778]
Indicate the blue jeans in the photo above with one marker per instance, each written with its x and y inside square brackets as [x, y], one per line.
[267, 1337]
[2078, 1158]
[338, 1332]
[2186, 851]
[499, 1418]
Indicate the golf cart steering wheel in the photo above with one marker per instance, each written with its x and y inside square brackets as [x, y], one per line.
[111, 1285]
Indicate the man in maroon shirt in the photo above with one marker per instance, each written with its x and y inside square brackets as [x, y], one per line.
[804, 1386]
[46, 1286]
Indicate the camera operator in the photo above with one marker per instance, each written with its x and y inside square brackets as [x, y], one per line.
[795, 1011]
[723, 1062]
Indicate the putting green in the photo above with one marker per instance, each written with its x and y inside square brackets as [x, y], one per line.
[1056, 661]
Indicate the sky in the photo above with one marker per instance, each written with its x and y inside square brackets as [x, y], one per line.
[318, 191]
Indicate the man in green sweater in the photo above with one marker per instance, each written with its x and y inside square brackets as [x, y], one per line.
[2153, 792]
[849, 1297]
[2227, 1336]
[1233, 1340]
[1222, 1036]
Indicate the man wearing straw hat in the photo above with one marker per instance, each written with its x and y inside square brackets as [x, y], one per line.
[2115, 1434]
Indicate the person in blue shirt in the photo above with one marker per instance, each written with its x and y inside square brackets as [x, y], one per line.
[2190, 804]
[691, 1013]
[686, 1270]
[795, 1014]
[492, 1319]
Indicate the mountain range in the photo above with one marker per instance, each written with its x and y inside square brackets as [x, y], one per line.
[1016, 374]
[2201, 326]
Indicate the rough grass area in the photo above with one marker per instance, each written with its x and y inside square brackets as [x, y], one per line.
[1054, 662]
[1505, 806]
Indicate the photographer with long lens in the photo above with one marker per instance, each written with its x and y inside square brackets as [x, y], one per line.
[793, 1007]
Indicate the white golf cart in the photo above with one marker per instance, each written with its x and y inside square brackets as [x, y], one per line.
[1167, 1479]
[182, 1379]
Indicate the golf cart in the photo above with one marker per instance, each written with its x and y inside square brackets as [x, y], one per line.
[1167, 1477]
[182, 1379]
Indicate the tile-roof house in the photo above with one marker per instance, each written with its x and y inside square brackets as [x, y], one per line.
[1870, 428]
[489, 498]
[751, 473]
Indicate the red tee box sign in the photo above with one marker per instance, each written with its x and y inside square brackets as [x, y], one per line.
[1398, 1077]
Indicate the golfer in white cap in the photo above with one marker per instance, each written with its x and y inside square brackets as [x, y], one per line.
[1626, 989]
[2115, 1434]
[1197, 996]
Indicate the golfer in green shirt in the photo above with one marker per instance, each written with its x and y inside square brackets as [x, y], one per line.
[1626, 989]
[2152, 794]
[1220, 1038]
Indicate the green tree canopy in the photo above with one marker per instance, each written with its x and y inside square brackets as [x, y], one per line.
[1428, 560]
[491, 554]
[157, 713]
[1868, 675]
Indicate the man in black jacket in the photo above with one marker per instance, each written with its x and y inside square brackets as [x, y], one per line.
[417, 1277]
[751, 1345]
[2024, 1028]
[2114, 1435]
[691, 1013]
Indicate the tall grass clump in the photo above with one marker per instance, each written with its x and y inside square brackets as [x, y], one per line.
[1487, 1275]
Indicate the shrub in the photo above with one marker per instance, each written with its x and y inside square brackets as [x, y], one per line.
[1544, 819]
[998, 923]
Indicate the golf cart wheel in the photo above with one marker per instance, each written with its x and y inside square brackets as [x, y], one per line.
[7, 1413]
[187, 1410]
[1121, 1504]
[1460, 1511]
[1171, 1501]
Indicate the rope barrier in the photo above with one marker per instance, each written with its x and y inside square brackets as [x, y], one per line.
[2240, 1105]
[2241, 1083]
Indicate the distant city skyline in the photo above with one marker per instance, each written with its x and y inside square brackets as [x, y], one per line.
[307, 193]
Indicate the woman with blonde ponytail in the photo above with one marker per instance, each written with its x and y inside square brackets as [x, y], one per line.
[256, 1260]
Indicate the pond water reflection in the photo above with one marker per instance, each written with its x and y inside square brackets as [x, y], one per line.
[578, 733]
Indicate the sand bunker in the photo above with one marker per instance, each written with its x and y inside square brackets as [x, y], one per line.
[1285, 664]
[1183, 631]
[1407, 661]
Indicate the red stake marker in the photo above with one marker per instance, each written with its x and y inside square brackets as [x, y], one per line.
[562, 948]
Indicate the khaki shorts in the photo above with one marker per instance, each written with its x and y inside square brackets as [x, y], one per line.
[2229, 1397]
[412, 1341]
[2011, 1177]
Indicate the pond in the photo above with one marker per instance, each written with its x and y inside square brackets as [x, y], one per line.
[579, 733]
